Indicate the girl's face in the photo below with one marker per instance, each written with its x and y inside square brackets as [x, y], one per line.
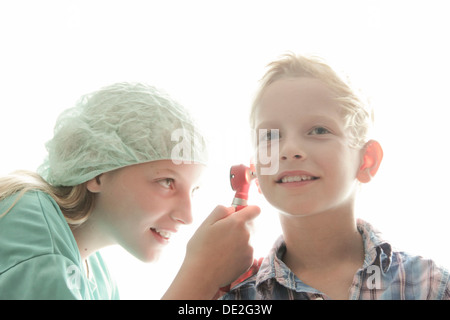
[139, 207]
[317, 168]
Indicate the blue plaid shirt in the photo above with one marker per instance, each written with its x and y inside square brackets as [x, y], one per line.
[386, 274]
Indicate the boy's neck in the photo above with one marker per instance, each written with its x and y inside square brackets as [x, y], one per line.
[322, 241]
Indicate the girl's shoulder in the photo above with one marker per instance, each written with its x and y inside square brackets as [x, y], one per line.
[33, 227]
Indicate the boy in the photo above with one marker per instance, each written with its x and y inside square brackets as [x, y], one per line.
[316, 129]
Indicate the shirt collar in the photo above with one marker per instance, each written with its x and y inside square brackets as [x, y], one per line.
[273, 265]
[377, 251]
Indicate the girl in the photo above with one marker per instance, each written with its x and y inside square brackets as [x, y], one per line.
[121, 169]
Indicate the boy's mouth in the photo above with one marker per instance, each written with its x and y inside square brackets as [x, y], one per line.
[287, 177]
[296, 179]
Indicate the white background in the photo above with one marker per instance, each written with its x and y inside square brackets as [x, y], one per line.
[209, 55]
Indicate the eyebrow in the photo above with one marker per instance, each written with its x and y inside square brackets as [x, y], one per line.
[167, 170]
[178, 176]
[267, 124]
[327, 119]
[313, 118]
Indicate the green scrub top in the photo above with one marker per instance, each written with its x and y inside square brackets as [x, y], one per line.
[39, 257]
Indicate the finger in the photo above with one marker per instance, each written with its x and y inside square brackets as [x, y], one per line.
[219, 213]
[249, 212]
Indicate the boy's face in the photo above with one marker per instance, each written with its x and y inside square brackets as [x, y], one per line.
[139, 207]
[317, 168]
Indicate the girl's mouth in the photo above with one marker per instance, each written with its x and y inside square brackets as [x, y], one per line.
[161, 234]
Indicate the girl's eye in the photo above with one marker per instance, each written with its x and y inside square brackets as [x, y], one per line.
[166, 183]
[269, 134]
[319, 131]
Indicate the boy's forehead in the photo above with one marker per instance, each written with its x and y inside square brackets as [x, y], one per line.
[301, 87]
[296, 97]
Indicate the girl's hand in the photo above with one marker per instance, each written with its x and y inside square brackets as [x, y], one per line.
[217, 254]
[221, 245]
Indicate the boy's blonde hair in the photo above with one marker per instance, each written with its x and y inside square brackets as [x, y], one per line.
[357, 115]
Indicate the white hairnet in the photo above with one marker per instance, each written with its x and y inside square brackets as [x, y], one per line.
[120, 125]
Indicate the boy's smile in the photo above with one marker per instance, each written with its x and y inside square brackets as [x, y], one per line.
[317, 167]
[292, 179]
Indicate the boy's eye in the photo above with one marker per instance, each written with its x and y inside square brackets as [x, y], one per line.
[319, 131]
[166, 183]
[269, 134]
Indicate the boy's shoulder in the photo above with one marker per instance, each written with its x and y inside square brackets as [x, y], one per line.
[402, 275]
[426, 267]
[246, 281]
[420, 278]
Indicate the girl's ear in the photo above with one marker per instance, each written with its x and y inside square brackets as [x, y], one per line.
[371, 160]
[94, 185]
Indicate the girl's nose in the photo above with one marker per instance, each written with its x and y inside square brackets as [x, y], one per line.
[183, 212]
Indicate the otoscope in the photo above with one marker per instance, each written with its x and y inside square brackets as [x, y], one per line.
[240, 177]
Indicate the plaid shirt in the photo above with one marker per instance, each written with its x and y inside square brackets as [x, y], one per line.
[386, 274]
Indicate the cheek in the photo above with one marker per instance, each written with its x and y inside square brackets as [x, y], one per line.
[341, 172]
[126, 208]
[143, 198]
[266, 186]
[153, 202]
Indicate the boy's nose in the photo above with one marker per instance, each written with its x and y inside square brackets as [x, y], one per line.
[295, 156]
[291, 150]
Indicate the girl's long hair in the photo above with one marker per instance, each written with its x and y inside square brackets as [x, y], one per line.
[76, 203]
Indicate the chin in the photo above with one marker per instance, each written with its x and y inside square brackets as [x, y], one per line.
[152, 256]
[295, 213]
[299, 210]
[146, 255]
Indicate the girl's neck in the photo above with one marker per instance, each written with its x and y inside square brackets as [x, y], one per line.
[89, 238]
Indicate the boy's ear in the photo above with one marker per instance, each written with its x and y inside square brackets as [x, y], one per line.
[253, 168]
[371, 160]
[94, 185]
[257, 185]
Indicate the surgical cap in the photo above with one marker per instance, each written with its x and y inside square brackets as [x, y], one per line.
[117, 126]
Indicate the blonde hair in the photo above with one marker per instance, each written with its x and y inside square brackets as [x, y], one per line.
[357, 115]
[76, 202]
[116, 126]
